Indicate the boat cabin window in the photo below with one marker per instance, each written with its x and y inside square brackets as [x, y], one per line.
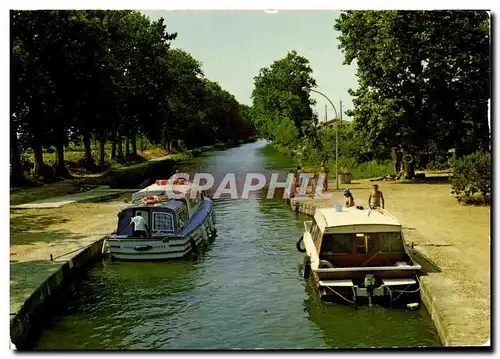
[391, 242]
[337, 243]
[163, 222]
[365, 243]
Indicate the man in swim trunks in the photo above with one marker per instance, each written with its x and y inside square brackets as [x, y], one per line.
[376, 198]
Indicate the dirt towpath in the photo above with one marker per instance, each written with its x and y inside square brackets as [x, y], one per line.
[455, 237]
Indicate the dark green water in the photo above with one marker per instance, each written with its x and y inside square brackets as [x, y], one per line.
[245, 292]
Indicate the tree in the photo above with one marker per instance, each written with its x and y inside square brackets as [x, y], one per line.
[278, 96]
[83, 75]
[422, 76]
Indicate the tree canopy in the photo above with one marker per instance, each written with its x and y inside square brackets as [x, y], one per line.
[281, 109]
[423, 78]
[109, 75]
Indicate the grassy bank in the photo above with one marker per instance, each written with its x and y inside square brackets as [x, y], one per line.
[159, 164]
[282, 157]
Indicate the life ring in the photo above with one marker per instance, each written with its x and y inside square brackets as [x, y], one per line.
[150, 200]
[325, 264]
[307, 267]
[297, 245]
[161, 182]
[181, 181]
[408, 158]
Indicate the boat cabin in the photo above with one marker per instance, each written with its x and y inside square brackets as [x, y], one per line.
[158, 193]
[162, 220]
[164, 216]
[357, 238]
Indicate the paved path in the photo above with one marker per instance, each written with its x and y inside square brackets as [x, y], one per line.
[96, 194]
[455, 237]
[38, 233]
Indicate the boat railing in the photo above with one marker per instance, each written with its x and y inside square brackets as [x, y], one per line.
[308, 226]
[385, 213]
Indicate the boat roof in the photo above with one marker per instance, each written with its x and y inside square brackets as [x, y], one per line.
[157, 190]
[171, 204]
[353, 219]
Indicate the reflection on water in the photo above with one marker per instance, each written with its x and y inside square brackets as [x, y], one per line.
[246, 291]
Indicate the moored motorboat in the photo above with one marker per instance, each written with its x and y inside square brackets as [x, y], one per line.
[355, 254]
[179, 218]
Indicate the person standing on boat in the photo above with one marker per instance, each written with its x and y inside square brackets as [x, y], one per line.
[139, 224]
[349, 199]
[376, 198]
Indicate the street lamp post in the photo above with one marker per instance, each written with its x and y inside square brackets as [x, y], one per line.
[308, 89]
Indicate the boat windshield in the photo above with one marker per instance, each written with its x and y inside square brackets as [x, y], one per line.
[391, 242]
[337, 243]
[386, 242]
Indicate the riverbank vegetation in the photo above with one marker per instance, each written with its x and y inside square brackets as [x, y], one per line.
[88, 87]
[423, 90]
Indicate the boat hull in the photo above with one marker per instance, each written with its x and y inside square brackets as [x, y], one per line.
[148, 249]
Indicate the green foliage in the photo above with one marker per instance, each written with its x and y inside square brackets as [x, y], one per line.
[281, 109]
[110, 75]
[423, 78]
[286, 132]
[472, 178]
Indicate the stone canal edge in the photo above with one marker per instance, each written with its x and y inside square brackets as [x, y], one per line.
[447, 311]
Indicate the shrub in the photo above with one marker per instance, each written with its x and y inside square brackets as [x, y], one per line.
[472, 178]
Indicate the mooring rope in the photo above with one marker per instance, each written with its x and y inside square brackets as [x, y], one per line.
[62, 255]
[407, 291]
[341, 296]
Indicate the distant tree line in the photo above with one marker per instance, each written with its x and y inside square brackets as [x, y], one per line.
[108, 76]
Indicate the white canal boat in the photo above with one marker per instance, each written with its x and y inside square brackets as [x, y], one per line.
[177, 224]
[355, 254]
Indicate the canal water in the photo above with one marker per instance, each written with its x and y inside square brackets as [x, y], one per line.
[246, 291]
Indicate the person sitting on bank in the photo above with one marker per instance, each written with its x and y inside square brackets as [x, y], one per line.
[349, 199]
[376, 198]
[313, 182]
[139, 224]
[325, 170]
[300, 172]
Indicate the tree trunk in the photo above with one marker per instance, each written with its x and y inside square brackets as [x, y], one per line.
[120, 148]
[39, 164]
[133, 140]
[127, 147]
[60, 168]
[17, 174]
[113, 149]
[397, 163]
[88, 150]
[410, 171]
[102, 154]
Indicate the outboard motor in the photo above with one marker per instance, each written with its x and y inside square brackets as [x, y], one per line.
[369, 285]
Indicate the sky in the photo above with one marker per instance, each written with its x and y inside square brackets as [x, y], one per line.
[234, 45]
